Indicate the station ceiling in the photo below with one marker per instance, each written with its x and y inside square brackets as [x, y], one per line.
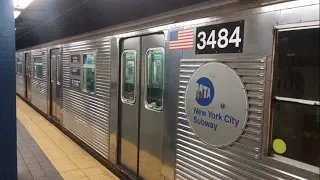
[47, 20]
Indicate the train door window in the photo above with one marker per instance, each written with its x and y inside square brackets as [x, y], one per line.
[295, 99]
[88, 72]
[53, 67]
[38, 71]
[154, 78]
[129, 79]
[59, 69]
[19, 66]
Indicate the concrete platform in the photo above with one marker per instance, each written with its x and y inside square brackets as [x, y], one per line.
[44, 152]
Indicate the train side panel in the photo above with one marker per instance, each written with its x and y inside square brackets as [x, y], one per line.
[247, 158]
[86, 115]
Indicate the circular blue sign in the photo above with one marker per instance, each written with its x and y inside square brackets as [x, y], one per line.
[205, 91]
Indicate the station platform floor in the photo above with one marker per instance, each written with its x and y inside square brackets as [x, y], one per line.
[45, 153]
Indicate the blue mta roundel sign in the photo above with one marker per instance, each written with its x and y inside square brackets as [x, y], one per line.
[216, 104]
[205, 91]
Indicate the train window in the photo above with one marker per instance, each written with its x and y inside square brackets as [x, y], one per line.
[19, 66]
[53, 67]
[59, 70]
[154, 79]
[128, 76]
[38, 71]
[295, 102]
[88, 72]
[89, 58]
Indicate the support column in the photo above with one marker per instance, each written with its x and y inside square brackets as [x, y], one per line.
[8, 140]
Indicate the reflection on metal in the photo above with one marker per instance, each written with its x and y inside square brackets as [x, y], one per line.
[301, 101]
[275, 5]
[304, 166]
[296, 26]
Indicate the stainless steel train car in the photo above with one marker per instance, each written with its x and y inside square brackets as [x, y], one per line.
[126, 91]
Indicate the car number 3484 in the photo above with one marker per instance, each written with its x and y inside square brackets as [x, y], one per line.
[220, 38]
[222, 41]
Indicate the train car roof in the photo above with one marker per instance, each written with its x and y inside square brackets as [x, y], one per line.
[196, 11]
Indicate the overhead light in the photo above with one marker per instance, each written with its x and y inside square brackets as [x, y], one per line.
[21, 4]
[16, 14]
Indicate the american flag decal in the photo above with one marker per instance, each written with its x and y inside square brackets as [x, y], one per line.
[182, 39]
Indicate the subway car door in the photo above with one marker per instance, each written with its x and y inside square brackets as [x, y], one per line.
[28, 71]
[56, 85]
[141, 115]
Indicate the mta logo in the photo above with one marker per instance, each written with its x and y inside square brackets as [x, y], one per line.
[205, 91]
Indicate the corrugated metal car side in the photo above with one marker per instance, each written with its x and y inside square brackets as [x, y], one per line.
[85, 115]
[196, 160]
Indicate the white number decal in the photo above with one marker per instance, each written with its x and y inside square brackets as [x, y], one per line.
[212, 39]
[202, 39]
[223, 38]
[235, 37]
[222, 41]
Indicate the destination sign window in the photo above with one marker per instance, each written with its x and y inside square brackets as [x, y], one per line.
[296, 95]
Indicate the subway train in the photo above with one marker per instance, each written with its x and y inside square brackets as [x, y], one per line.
[219, 90]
